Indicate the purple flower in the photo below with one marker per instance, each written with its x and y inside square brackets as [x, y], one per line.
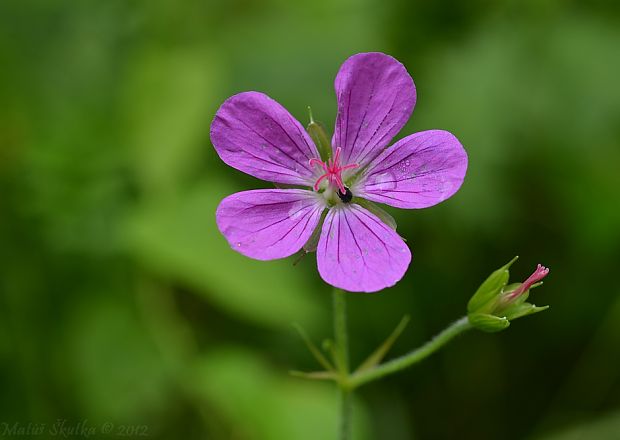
[356, 251]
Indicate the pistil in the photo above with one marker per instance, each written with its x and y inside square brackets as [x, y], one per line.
[540, 272]
[333, 171]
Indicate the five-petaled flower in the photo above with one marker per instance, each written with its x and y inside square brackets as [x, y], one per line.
[356, 251]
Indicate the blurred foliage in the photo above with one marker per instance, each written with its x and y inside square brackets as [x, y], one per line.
[121, 302]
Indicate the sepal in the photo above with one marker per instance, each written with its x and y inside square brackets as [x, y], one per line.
[484, 298]
[317, 132]
[488, 323]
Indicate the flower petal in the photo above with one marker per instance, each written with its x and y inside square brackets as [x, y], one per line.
[254, 134]
[375, 96]
[271, 223]
[358, 252]
[418, 171]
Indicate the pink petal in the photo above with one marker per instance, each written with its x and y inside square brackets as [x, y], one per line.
[271, 223]
[375, 96]
[358, 252]
[254, 134]
[418, 171]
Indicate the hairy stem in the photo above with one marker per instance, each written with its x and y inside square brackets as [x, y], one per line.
[412, 357]
[347, 382]
[345, 414]
[342, 362]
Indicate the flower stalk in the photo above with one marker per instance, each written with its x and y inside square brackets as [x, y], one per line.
[342, 362]
[413, 357]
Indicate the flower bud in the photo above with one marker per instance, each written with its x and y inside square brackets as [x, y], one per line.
[496, 302]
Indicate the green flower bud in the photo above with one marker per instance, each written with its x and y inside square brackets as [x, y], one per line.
[496, 303]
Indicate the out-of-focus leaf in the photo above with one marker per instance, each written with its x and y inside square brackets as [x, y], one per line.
[602, 428]
[179, 238]
[263, 405]
[169, 103]
[4, 342]
[117, 371]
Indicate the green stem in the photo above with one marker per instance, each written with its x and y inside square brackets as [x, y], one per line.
[345, 414]
[342, 361]
[340, 331]
[348, 382]
[412, 357]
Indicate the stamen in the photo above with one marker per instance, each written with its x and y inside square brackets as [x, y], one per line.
[318, 162]
[348, 167]
[337, 155]
[318, 182]
[340, 184]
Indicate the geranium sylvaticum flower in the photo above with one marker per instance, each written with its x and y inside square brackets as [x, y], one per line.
[356, 251]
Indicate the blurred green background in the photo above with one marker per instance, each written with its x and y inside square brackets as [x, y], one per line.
[121, 303]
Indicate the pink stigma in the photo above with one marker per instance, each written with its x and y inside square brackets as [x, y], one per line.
[539, 274]
[333, 171]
